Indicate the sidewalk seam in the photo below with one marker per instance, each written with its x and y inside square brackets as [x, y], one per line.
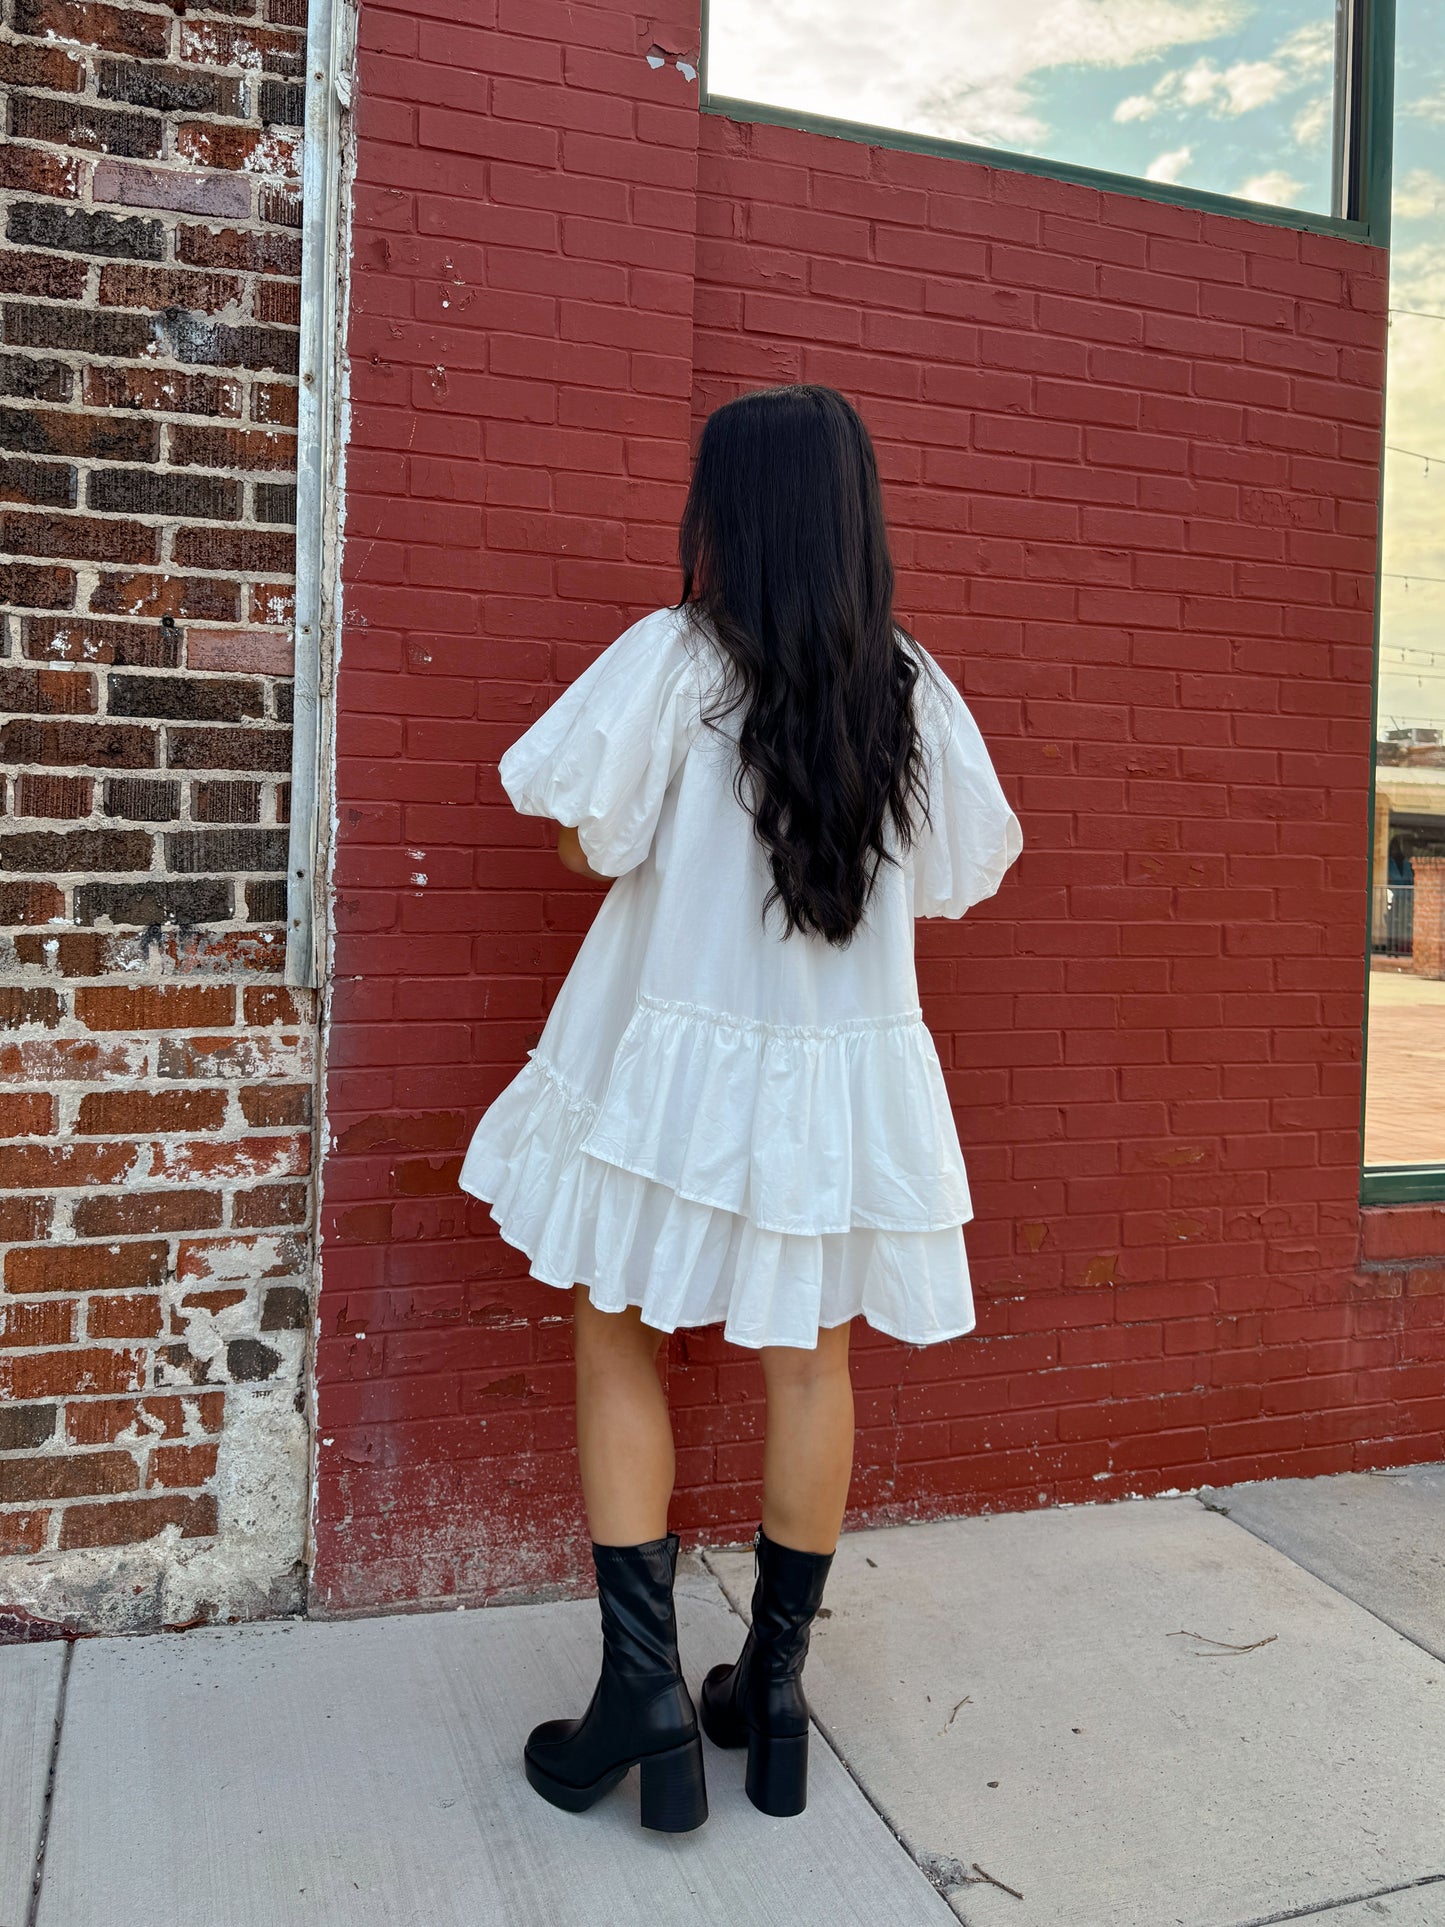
[836, 1750]
[1349, 1900]
[32, 1912]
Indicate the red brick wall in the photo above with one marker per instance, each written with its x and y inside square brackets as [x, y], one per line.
[156, 1107]
[1131, 458]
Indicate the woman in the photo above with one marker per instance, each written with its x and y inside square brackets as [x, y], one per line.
[734, 1113]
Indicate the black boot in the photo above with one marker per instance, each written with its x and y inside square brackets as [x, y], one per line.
[641, 1712]
[759, 1703]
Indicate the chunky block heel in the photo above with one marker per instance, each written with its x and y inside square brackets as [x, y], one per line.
[777, 1781]
[674, 1789]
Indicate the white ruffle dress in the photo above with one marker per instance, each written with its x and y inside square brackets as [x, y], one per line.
[719, 1125]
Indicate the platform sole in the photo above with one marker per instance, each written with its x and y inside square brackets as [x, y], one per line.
[674, 1788]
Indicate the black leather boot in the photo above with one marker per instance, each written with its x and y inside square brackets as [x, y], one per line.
[641, 1712]
[758, 1702]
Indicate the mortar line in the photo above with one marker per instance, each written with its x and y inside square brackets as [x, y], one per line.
[32, 1912]
[1317, 1912]
[838, 1754]
[1324, 1579]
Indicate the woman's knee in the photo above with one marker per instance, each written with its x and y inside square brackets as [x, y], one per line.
[611, 1341]
[790, 1368]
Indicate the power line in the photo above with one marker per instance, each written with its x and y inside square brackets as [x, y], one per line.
[1418, 455]
[1421, 314]
[1408, 575]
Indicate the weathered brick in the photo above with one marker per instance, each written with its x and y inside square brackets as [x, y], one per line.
[44, 224]
[22, 1532]
[90, 745]
[23, 1322]
[271, 50]
[275, 502]
[169, 89]
[141, 1113]
[129, 284]
[282, 105]
[76, 538]
[142, 799]
[46, 431]
[259, 749]
[29, 902]
[82, 1268]
[190, 338]
[238, 248]
[45, 1167]
[192, 446]
[80, 1476]
[40, 484]
[247, 551]
[83, 638]
[52, 1374]
[191, 598]
[53, 276]
[271, 1204]
[274, 401]
[36, 170]
[23, 1427]
[126, 184]
[264, 652]
[28, 585]
[278, 207]
[202, 699]
[161, 391]
[227, 850]
[121, 1522]
[100, 1421]
[285, 1308]
[62, 852]
[40, 380]
[118, 29]
[48, 67]
[148, 491]
[226, 802]
[75, 123]
[276, 1104]
[261, 151]
[266, 901]
[53, 796]
[134, 1316]
[26, 1113]
[82, 330]
[131, 1214]
[29, 1004]
[154, 901]
[47, 692]
[182, 1465]
[156, 1007]
[249, 1359]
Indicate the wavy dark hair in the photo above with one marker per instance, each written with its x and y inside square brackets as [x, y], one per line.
[785, 555]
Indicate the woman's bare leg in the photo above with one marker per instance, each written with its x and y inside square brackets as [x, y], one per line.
[624, 1433]
[808, 1456]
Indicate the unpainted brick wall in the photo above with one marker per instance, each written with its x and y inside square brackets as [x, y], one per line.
[1131, 457]
[157, 1108]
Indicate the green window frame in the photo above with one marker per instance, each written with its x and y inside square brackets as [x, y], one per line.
[1364, 93]
[1363, 147]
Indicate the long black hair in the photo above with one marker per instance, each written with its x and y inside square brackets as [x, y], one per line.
[785, 554]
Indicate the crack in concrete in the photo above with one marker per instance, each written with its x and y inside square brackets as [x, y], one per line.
[32, 1912]
[1318, 1911]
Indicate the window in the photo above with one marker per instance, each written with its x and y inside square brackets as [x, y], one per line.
[1405, 1035]
[1254, 100]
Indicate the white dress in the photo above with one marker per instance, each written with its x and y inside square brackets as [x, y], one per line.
[718, 1125]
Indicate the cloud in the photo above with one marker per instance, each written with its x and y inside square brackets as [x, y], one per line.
[1274, 187]
[1418, 196]
[1312, 122]
[1226, 92]
[1168, 167]
[963, 69]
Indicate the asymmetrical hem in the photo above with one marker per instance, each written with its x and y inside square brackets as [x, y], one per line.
[719, 1125]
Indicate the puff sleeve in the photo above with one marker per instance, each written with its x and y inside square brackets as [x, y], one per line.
[601, 757]
[974, 834]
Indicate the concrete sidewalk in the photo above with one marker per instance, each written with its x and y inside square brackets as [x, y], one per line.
[1219, 1710]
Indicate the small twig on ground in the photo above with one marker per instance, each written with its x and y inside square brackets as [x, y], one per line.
[1227, 1649]
[995, 1883]
[965, 1701]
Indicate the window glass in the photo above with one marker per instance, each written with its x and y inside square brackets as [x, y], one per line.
[1232, 96]
[1405, 1063]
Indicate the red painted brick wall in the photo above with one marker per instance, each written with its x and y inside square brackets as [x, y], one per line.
[1131, 457]
[155, 1114]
